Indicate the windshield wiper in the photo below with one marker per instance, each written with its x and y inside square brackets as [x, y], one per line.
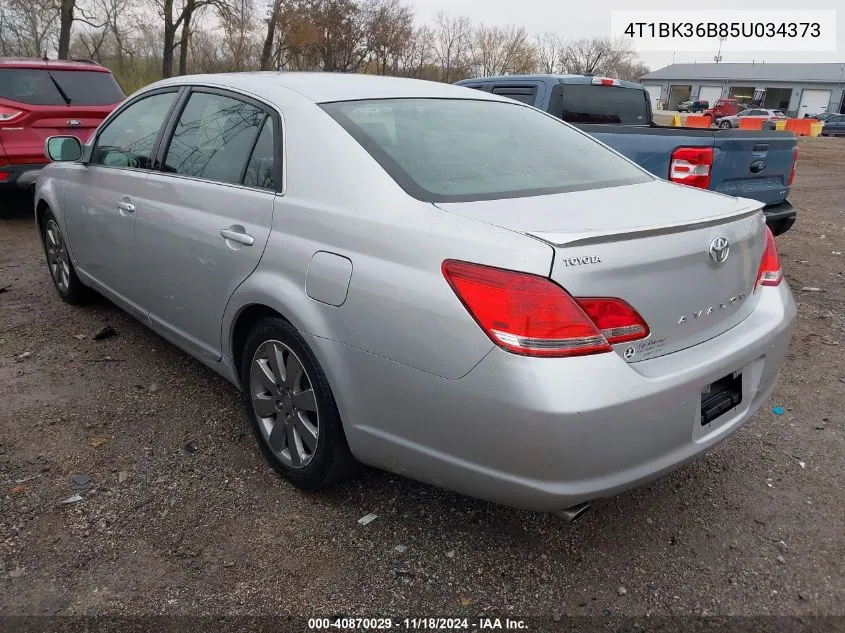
[59, 88]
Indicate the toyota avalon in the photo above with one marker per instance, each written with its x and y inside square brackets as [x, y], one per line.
[435, 281]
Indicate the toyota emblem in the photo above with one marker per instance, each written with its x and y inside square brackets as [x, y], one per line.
[720, 248]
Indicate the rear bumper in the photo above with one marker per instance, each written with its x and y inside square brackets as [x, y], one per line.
[780, 217]
[545, 434]
[20, 176]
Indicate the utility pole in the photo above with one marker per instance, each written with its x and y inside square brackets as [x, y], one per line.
[718, 56]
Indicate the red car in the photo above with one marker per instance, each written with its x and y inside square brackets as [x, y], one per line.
[723, 107]
[40, 98]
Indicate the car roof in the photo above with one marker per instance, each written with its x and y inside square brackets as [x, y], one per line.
[323, 87]
[55, 64]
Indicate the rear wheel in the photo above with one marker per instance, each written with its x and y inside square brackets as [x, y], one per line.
[292, 408]
[59, 264]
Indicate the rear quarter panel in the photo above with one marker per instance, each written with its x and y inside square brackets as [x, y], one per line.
[398, 306]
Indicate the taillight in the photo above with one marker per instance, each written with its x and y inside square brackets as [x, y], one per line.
[794, 165]
[7, 114]
[691, 166]
[616, 319]
[532, 316]
[605, 81]
[770, 273]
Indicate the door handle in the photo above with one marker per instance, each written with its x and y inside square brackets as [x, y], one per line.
[237, 236]
[126, 206]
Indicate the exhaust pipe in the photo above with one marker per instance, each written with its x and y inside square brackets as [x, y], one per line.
[572, 513]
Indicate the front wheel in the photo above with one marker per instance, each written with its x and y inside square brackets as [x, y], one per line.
[724, 125]
[62, 272]
[292, 408]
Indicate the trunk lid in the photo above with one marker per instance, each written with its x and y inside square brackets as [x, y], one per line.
[650, 245]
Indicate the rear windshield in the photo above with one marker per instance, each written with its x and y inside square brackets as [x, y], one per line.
[586, 103]
[459, 150]
[59, 87]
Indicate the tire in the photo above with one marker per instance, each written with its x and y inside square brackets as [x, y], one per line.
[320, 455]
[59, 264]
[725, 125]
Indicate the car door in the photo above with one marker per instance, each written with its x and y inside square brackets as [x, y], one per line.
[104, 195]
[207, 213]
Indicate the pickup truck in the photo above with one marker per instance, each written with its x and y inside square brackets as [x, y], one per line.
[756, 164]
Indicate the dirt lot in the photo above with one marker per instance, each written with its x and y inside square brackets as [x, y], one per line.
[182, 515]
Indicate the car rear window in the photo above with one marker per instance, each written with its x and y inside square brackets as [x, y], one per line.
[587, 103]
[459, 150]
[46, 87]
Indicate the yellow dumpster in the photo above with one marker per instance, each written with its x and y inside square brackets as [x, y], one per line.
[816, 128]
[780, 125]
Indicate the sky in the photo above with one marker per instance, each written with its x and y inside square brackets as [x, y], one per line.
[574, 19]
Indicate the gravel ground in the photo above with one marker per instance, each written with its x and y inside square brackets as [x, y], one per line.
[181, 515]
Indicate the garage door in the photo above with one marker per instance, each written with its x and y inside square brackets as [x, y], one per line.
[678, 94]
[654, 95]
[710, 94]
[813, 102]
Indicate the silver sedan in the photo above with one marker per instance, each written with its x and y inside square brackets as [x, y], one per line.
[428, 279]
[767, 116]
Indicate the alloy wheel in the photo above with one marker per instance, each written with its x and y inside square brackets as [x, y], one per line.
[57, 256]
[284, 403]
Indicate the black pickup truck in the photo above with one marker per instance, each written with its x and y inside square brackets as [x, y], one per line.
[757, 164]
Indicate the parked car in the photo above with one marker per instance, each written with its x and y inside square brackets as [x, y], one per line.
[693, 106]
[516, 351]
[834, 126]
[769, 116]
[40, 98]
[758, 164]
[723, 107]
[822, 116]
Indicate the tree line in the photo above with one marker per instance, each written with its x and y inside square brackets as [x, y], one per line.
[142, 41]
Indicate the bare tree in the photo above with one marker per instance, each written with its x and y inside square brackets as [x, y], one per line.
[390, 29]
[548, 47]
[177, 16]
[601, 56]
[631, 70]
[452, 47]
[416, 57]
[341, 27]
[502, 51]
[270, 35]
[239, 44]
[28, 27]
[66, 8]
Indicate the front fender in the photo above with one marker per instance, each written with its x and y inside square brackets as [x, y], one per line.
[48, 194]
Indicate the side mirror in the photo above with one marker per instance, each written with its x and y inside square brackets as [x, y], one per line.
[63, 148]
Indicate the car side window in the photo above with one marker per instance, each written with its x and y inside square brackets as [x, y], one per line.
[260, 171]
[213, 138]
[128, 139]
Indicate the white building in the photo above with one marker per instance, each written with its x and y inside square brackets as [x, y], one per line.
[797, 89]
